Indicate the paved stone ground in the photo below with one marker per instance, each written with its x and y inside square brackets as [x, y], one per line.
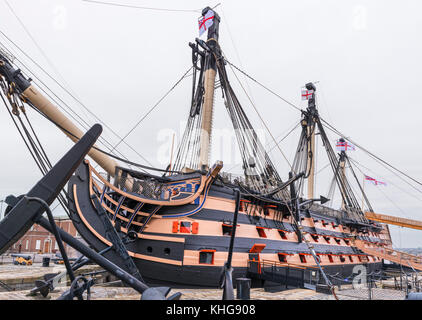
[122, 293]
[377, 294]
[23, 277]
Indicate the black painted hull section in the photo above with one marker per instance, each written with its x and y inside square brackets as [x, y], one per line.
[197, 276]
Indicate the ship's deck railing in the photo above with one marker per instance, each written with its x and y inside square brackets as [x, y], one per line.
[349, 213]
[289, 274]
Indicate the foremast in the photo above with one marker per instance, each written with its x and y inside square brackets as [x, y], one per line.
[209, 85]
[310, 127]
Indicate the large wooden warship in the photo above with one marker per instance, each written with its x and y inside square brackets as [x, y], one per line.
[181, 219]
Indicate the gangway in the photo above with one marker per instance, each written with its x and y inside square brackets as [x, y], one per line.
[402, 222]
[392, 255]
[288, 274]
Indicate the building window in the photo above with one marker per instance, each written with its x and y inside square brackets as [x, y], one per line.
[350, 258]
[167, 251]
[184, 227]
[38, 245]
[261, 232]
[346, 241]
[206, 256]
[330, 258]
[342, 259]
[27, 245]
[302, 258]
[227, 229]
[282, 234]
[337, 240]
[327, 239]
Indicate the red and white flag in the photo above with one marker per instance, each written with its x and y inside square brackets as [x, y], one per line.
[375, 181]
[345, 146]
[205, 22]
[307, 94]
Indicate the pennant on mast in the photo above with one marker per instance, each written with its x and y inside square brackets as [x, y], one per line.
[343, 145]
[375, 181]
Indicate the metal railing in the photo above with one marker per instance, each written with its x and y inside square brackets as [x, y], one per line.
[288, 274]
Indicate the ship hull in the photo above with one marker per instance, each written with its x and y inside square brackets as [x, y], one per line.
[156, 274]
[164, 254]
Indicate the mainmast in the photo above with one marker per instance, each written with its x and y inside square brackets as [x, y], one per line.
[22, 86]
[209, 84]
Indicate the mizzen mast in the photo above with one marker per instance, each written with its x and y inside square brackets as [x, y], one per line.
[209, 85]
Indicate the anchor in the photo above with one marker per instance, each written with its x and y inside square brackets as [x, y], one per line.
[25, 210]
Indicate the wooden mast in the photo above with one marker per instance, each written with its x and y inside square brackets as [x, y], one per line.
[343, 173]
[311, 135]
[311, 161]
[209, 83]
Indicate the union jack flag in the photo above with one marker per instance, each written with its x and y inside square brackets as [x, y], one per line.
[205, 22]
[344, 146]
[375, 181]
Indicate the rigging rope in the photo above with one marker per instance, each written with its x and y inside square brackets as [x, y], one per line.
[37, 151]
[370, 153]
[330, 127]
[357, 163]
[263, 86]
[151, 109]
[263, 122]
[86, 126]
[100, 150]
[144, 8]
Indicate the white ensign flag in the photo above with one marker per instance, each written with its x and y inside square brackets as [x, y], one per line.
[206, 22]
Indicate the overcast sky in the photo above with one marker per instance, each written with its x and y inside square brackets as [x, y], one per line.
[363, 55]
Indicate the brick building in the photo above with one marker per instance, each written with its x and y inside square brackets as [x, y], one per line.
[39, 240]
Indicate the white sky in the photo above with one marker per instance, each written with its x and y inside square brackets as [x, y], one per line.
[119, 61]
